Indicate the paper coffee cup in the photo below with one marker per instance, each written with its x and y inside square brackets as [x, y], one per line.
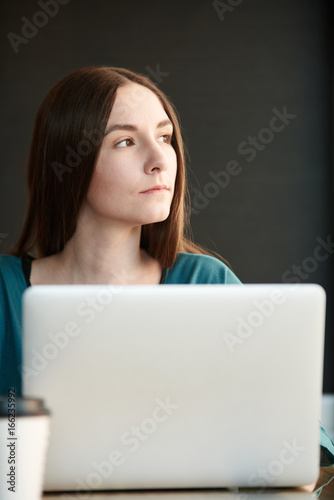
[24, 434]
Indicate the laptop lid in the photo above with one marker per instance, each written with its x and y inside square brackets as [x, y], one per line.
[177, 386]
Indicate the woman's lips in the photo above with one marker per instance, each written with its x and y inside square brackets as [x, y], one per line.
[156, 190]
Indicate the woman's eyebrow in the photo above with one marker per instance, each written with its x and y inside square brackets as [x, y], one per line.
[133, 128]
[164, 123]
[120, 127]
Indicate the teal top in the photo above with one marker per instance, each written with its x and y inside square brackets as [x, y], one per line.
[14, 279]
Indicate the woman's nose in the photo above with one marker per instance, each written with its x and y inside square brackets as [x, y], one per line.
[155, 159]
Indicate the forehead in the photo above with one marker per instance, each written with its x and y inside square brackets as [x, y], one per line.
[135, 103]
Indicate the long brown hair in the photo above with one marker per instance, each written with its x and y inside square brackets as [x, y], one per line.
[68, 132]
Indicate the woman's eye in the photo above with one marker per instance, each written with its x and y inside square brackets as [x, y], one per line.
[167, 138]
[124, 144]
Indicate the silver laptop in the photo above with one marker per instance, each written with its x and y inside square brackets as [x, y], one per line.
[177, 386]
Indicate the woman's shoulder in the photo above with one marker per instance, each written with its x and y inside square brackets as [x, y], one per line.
[190, 268]
[11, 270]
[10, 264]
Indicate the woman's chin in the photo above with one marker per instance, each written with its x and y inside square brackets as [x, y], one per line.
[157, 217]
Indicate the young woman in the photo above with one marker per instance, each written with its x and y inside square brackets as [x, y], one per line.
[108, 200]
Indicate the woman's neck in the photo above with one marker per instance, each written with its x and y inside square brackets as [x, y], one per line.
[99, 256]
[106, 258]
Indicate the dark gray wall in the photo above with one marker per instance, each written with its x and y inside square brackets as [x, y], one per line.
[228, 76]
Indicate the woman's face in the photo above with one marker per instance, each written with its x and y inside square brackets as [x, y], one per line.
[134, 177]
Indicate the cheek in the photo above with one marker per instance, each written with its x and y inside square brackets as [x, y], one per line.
[173, 163]
[108, 174]
[101, 185]
[171, 159]
[96, 192]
